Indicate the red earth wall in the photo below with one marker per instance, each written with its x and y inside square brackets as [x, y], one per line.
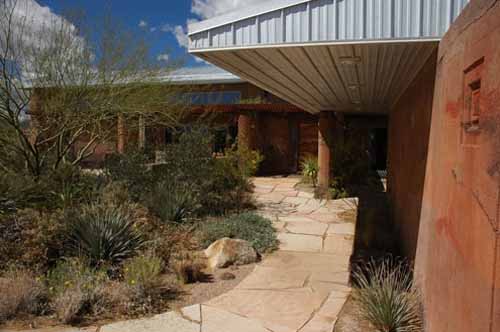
[409, 127]
[457, 265]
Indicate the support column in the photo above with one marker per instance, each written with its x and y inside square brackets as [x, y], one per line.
[325, 128]
[142, 133]
[247, 131]
[121, 135]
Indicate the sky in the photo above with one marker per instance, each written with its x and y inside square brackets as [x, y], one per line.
[164, 22]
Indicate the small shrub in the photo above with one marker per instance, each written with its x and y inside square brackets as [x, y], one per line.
[40, 234]
[337, 189]
[173, 202]
[248, 226]
[76, 290]
[68, 305]
[310, 169]
[386, 296]
[131, 169]
[247, 160]
[21, 293]
[143, 273]
[189, 267]
[115, 193]
[104, 234]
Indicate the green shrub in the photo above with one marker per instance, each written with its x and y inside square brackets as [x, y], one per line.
[65, 187]
[173, 202]
[310, 169]
[104, 234]
[143, 272]
[219, 185]
[131, 169]
[21, 293]
[246, 160]
[251, 227]
[115, 193]
[226, 190]
[386, 296]
[76, 289]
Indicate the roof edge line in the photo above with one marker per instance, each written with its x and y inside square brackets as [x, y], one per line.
[322, 43]
[240, 15]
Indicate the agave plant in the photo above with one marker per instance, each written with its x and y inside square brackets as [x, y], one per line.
[386, 296]
[173, 202]
[310, 169]
[104, 234]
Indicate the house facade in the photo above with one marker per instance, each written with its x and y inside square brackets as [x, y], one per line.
[239, 111]
[432, 68]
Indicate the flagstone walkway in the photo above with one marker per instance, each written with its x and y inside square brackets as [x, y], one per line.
[300, 288]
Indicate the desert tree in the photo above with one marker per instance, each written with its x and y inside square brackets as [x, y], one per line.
[64, 83]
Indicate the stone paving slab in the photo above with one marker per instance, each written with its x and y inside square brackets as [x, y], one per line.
[308, 227]
[341, 229]
[265, 277]
[217, 320]
[338, 244]
[169, 322]
[289, 308]
[299, 242]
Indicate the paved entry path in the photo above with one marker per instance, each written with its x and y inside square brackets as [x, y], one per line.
[301, 287]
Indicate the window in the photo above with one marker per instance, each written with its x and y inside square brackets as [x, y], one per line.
[213, 98]
[471, 115]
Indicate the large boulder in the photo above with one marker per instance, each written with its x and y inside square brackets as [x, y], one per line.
[225, 252]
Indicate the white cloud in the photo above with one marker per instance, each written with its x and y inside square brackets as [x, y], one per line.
[143, 24]
[153, 29]
[33, 19]
[210, 8]
[179, 32]
[163, 57]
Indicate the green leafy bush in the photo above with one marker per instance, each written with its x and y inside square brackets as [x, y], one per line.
[246, 159]
[387, 297]
[131, 169]
[310, 169]
[220, 185]
[173, 202]
[248, 226]
[104, 234]
[143, 272]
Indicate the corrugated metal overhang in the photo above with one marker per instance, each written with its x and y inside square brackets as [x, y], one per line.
[342, 55]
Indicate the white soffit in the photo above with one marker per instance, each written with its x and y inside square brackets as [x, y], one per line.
[346, 55]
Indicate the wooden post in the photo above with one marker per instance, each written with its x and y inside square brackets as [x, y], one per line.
[121, 135]
[324, 150]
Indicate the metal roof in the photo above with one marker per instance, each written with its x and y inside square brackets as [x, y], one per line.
[201, 75]
[316, 21]
[342, 55]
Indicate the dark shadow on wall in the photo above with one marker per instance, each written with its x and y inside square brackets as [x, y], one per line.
[376, 236]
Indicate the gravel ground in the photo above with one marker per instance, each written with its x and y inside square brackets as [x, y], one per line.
[349, 320]
[215, 286]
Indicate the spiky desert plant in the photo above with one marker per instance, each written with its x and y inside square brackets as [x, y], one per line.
[310, 169]
[104, 234]
[386, 296]
[173, 202]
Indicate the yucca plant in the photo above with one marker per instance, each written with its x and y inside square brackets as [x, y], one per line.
[386, 296]
[310, 169]
[173, 202]
[104, 234]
